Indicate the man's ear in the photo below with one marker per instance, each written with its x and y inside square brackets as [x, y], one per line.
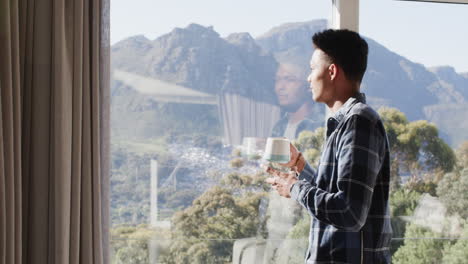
[333, 71]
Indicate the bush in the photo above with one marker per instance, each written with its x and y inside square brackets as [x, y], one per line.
[205, 232]
[236, 153]
[237, 163]
[458, 252]
[462, 155]
[234, 180]
[422, 186]
[453, 193]
[418, 248]
[130, 245]
[402, 203]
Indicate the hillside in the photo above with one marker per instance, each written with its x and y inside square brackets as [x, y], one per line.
[196, 57]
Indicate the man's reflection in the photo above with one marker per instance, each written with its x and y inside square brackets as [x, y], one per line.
[293, 93]
[300, 113]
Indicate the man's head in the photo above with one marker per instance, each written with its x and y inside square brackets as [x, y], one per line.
[338, 62]
[290, 87]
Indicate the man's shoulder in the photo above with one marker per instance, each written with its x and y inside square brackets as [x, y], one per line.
[362, 110]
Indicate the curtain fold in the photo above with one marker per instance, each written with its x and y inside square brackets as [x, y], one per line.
[10, 169]
[54, 131]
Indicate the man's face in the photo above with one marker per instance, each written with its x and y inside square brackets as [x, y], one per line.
[319, 78]
[290, 89]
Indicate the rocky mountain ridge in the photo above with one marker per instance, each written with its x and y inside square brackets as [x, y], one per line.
[198, 58]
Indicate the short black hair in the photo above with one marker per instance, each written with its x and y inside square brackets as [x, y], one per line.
[345, 48]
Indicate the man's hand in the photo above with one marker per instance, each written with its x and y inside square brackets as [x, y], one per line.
[282, 182]
[296, 163]
[295, 156]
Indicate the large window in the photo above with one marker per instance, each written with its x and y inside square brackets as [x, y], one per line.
[417, 69]
[197, 87]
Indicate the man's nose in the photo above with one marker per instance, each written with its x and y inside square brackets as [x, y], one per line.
[308, 78]
[279, 86]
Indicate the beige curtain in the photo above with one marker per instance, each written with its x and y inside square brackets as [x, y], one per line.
[54, 132]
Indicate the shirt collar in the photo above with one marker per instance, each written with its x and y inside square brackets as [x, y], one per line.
[344, 109]
[334, 120]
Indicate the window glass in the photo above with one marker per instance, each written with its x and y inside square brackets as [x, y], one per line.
[197, 88]
[417, 77]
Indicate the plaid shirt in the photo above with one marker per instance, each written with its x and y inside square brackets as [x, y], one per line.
[348, 193]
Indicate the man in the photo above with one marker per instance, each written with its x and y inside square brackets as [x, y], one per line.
[300, 113]
[348, 193]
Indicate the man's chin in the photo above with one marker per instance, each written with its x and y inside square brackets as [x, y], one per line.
[290, 108]
[316, 98]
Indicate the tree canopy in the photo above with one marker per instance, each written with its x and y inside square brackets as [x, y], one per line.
[416, 148]
[205, 232]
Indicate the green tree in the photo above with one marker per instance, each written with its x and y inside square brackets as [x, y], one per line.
[402, 203]
[177, 199]
[458, 252]
[235, 180]
[419, 248]
[452, 190]
[421, 186]
[416, 148]
[310, 143]
[205, 232]
[130, 244]
[236, 163]
[462, 155]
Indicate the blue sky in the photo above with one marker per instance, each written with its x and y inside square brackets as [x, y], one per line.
[428, 33]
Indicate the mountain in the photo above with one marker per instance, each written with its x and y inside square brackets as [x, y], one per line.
[126, 54]
[458, 83]
[291, 42]
[196, 57]
[390, 79]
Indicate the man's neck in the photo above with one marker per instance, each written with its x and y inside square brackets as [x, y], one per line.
[346, 93]
[336, 105]
[300, 114]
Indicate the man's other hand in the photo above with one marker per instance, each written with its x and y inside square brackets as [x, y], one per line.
[282, 182]
[297, 161]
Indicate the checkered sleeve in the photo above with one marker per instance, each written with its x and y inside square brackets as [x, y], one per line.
[308, 174]
[359, 157]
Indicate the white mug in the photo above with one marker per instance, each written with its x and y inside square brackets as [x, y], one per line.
[253, 147]
[277, 150]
